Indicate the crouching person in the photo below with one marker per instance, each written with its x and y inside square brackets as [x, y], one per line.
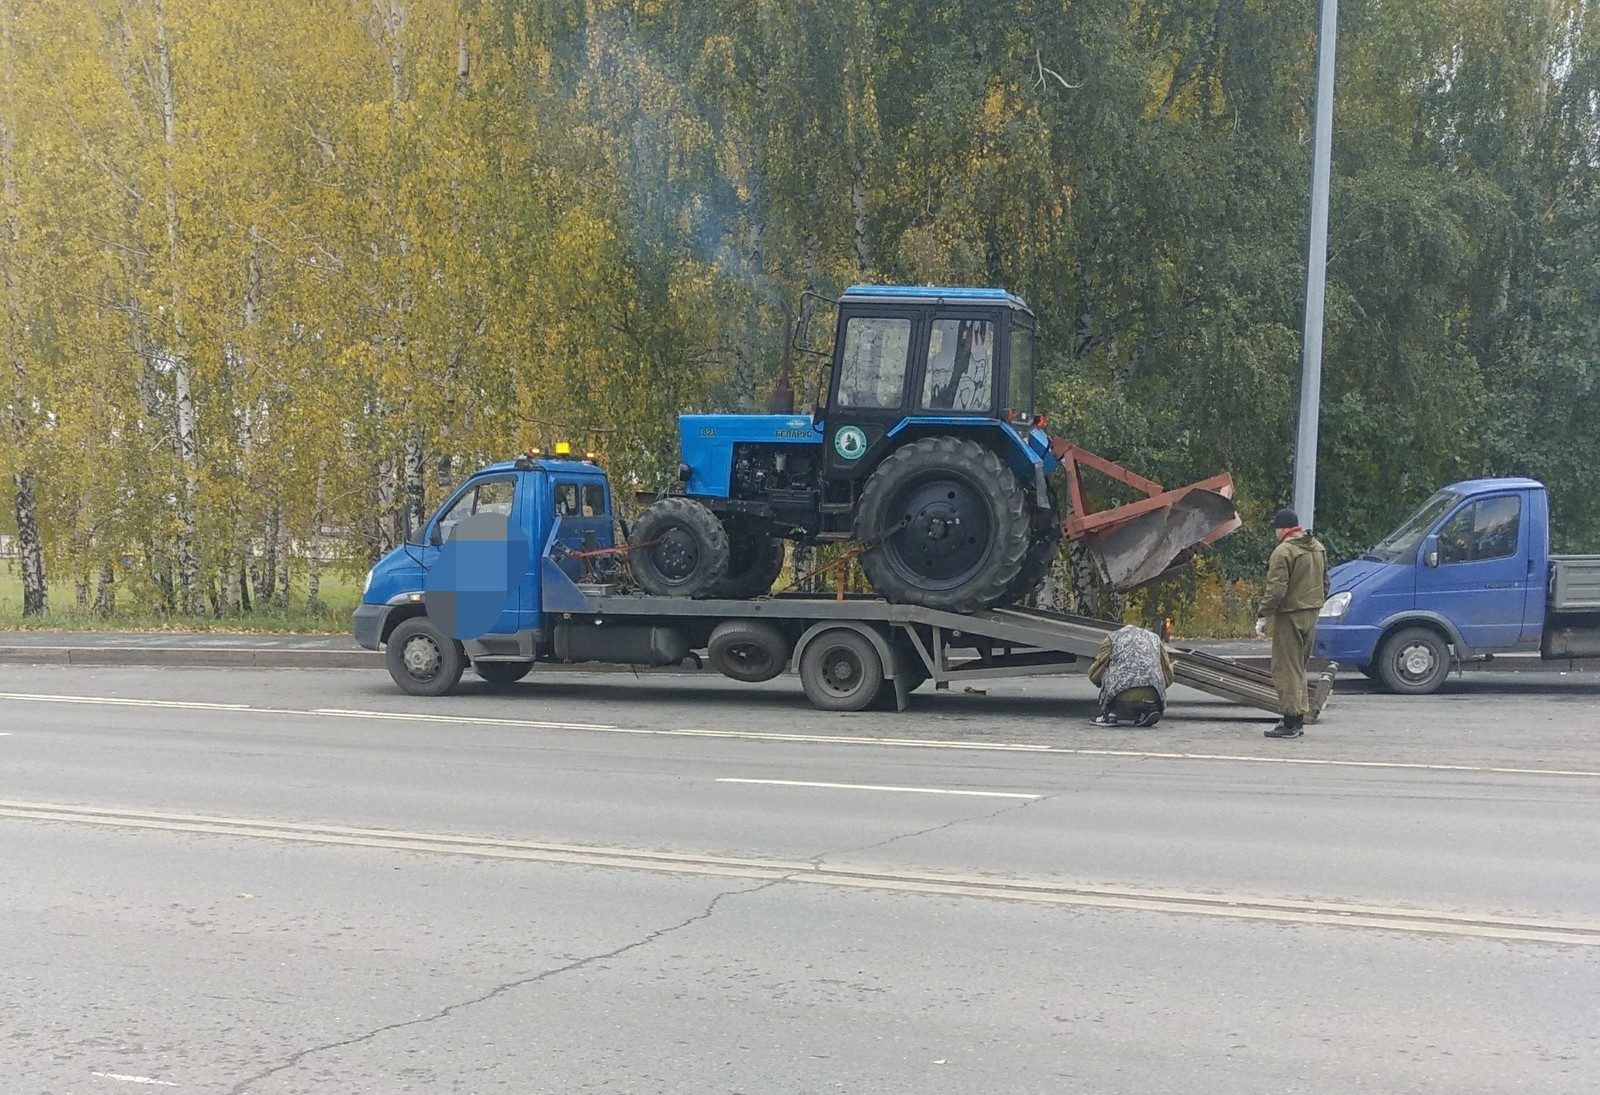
[1133, 670]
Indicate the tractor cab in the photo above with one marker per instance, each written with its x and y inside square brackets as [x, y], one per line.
[909, 358]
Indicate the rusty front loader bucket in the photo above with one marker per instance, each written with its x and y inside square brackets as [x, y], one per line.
[1140, 542]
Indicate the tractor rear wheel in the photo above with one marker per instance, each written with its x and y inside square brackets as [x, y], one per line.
[683, 549]
[1042, 549]
[755, 559]
[948, 523]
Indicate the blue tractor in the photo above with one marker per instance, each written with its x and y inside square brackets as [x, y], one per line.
[927, 452]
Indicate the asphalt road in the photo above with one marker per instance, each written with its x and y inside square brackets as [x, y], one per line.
[265, 881]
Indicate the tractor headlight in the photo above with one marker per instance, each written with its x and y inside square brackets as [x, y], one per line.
[1335, 607]
[366, 584]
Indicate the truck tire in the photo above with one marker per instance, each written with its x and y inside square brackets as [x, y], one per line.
[751, 651]
[948, 523]
[755, 560]
[422, 659]
[687, 552]
[1414, 661]
[502, 673]
[841, 671]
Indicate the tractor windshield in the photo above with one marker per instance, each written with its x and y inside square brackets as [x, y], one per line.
[1019, 387]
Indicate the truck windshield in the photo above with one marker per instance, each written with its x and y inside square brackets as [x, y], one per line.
[1401, 544]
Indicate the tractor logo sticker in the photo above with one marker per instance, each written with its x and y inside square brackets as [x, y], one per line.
[850, 442]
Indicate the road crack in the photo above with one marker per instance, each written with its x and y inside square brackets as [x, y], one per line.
[295, 1059]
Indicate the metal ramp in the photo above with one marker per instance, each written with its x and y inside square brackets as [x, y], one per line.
[1228, 678]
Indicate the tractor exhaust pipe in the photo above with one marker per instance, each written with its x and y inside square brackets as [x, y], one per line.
[781, 401]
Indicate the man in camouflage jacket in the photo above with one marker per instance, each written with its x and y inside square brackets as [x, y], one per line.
[1297, 584]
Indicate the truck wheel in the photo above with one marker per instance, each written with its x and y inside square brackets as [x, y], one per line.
[1414, 661]
[754, 562]
[423, 660]
[748, 650]
[841, 670]
[687, 552]
[502, 672]
[952, 522]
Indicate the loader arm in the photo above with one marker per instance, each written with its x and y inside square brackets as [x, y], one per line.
[1148, 539]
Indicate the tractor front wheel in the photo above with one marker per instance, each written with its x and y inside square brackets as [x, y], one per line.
[680, 549]
[755, 559]
[948, 525]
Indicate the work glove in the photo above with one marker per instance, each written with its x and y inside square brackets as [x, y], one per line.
[1261, 627]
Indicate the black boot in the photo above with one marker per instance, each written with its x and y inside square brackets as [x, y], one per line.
[1292, 726]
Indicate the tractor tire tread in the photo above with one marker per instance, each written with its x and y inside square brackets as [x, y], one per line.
[664, 514]
[1012, 536]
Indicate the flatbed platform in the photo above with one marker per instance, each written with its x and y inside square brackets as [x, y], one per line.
[953, 647]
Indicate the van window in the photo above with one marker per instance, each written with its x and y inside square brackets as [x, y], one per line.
[1487, 529]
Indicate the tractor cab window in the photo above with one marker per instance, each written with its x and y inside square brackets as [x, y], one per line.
[490, 496]
[872, 369]
[567, 500]
[959, 376]
[594, 500]
[1019, 371]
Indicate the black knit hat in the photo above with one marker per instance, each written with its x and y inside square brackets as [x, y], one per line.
[1285, 518]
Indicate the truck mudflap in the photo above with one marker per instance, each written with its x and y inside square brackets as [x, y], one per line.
[1146, 540]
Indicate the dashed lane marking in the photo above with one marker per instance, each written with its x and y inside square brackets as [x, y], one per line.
[876, 787]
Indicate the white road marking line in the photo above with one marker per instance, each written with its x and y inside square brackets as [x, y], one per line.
[133, 1079]
[122, 701]
[471, 720]
[875, 787]
[1241, 906]
[813, 739]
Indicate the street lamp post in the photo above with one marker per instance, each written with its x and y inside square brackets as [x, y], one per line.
[1305, 449]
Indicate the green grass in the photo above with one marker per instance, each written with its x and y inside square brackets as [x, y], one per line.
[339, 595]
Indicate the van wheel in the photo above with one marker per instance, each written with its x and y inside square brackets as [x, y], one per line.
[841, 670]
[1414, 661]
[423, 660]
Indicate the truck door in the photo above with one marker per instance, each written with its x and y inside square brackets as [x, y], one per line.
[1474, 571]
[581, 505]
[498, 496]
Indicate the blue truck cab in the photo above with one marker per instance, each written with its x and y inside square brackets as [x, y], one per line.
[1468, 575]
[563, 509]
